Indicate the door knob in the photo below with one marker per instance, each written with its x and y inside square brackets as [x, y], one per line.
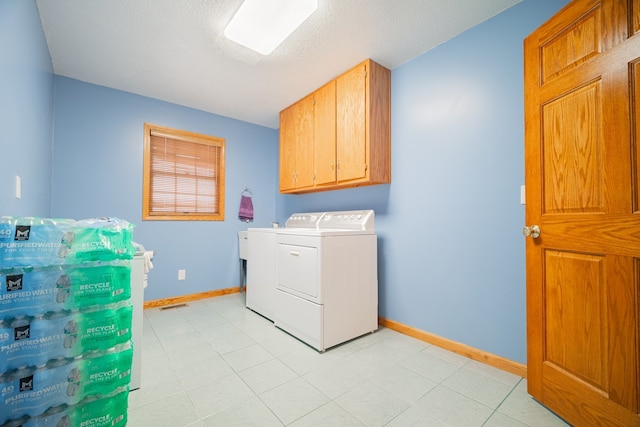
[533, 231]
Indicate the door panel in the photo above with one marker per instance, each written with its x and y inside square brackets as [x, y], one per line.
[296, 145]
[581, 163]
[297, 270]
[301, 318]
[575, 300]
[635, 117]
[325, 133]
[287, 149]
[573, 46]
[572, 152]
[351, 146]
[304, 144]
[635, 16]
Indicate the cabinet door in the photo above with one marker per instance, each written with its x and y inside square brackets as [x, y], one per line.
[296, 145]
[305, 143]
[351, 144]
[287, 149]
[325, 133]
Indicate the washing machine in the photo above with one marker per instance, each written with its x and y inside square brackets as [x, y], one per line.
[261, 266]
[326, 282]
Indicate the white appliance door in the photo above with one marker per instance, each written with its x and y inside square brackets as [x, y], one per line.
[301, 318]
[297, 271]
[261, 272]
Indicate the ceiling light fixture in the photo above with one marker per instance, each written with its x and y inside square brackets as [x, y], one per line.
[261, 25]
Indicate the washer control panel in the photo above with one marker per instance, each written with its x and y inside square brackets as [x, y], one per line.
[338, 220]
[304, 220]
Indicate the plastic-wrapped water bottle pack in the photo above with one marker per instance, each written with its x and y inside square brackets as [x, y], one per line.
[65, 321]
[35, 291]
[30, 391]
[32, 341]
[38, 242]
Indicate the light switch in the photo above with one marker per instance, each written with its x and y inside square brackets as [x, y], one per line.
[18, 187]
[522, 195]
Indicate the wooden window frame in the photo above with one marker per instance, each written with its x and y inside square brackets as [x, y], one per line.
[188, 137]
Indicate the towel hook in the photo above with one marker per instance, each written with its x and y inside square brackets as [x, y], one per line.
[246, 190]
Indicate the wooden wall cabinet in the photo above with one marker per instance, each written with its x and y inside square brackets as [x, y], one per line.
[324, 143]
[296, 133]
[340, 135]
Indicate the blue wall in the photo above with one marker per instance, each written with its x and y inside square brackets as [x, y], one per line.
[97, 171]
[451, 257]
[26, 110]
[451, 252]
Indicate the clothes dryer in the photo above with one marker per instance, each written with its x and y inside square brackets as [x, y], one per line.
[326, 287]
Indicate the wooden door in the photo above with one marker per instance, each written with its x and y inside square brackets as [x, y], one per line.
[305, 143]
[287, 149]
[296, 145]
[325, 133]
[582, 123]
[351, 122]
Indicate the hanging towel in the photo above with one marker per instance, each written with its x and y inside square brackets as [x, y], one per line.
[246, 209]
[148, 256]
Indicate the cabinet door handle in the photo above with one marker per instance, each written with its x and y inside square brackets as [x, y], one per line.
[294, 253]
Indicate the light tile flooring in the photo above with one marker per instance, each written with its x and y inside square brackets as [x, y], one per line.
[216, 363]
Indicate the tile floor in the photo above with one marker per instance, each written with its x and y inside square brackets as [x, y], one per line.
[216, 363]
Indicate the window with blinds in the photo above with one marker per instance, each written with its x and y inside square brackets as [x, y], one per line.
[183, 175]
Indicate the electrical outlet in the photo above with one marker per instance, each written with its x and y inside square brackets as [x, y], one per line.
[182, 274]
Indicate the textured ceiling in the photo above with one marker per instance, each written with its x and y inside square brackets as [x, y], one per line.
[174, 50]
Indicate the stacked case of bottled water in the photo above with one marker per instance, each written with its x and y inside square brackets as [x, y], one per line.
[65, 321]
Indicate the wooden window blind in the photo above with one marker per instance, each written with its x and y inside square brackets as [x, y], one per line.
[183, 175]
